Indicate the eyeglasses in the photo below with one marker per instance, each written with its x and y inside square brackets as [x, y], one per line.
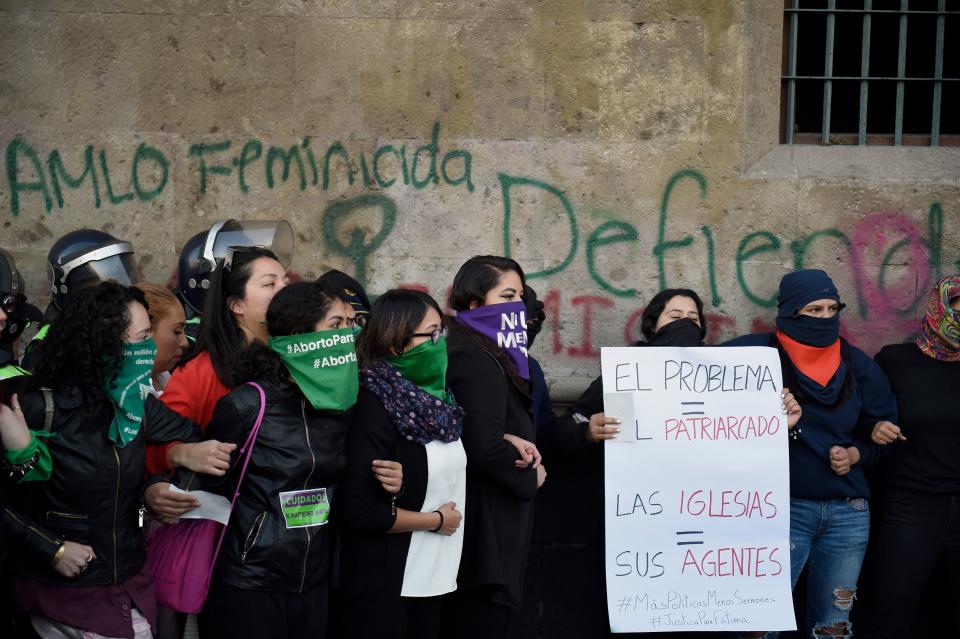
[434, 336]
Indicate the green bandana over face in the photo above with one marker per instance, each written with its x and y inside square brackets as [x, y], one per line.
[426, 366]
[129, 390]
[324, 366]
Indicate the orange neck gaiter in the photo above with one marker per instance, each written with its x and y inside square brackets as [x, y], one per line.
[816, 362]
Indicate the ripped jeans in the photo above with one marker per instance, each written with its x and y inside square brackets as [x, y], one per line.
[831, 537]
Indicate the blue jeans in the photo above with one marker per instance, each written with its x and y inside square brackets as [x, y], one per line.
[830, 536]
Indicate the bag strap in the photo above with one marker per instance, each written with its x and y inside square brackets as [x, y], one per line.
[48, 408]
[246, 451]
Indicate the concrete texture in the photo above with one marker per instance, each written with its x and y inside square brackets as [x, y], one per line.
[611, 147]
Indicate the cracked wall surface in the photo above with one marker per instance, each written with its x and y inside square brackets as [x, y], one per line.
[611, 147]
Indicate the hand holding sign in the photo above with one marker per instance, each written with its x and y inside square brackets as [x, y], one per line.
[602, 428]
[696, 539]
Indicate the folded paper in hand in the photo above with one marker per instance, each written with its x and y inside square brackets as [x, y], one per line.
[211, 506]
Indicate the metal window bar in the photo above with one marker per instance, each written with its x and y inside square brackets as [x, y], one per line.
[792, 70]
[938, 74]
[893, 11]
[865, 72]
[791, 77]
[901, 72]
[828, 70]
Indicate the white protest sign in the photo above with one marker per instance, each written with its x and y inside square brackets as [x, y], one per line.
[697, 490]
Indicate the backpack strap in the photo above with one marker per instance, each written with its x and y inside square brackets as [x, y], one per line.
[49, 408]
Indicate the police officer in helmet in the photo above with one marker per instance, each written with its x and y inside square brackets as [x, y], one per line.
[79, 259]
[15, 315]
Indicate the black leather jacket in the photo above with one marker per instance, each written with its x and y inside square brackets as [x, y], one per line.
[92, 497]
[297, 448]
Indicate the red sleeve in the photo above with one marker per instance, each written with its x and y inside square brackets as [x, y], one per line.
[157, 458]
[192, 391]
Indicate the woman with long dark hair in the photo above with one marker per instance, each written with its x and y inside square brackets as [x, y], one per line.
[236, 305]
[272, 574]
[237, 301]
[81, 559]
[672, 317]
[489, 375]
[401, 553]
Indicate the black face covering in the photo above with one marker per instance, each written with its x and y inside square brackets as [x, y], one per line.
[535, 315]
[681, 332]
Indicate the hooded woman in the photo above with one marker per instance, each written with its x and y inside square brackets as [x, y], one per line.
[844, 395]
[920, 520]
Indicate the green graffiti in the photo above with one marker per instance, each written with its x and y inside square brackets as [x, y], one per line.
[366, 172]
[336, 149]
[149, 153]
[770, 244]
[910, 309]
[465, 177]
[507, 182]
[432, 149]
[59, 172]
[453, 168]
[17, 147]
[711, 265]
[800, 247]
[201, 151]
[292, 154]
[619, 232]
[356, 249]
[662, 245]
[251, 152]
[376, 165]
[312, 160]
[114, 199]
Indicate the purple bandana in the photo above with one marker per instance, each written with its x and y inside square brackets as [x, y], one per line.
[504, 324]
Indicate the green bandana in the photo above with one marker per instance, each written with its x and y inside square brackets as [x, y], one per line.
[130, 388]
[324, 366]
[426, 366]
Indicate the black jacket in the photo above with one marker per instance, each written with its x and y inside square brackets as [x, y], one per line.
[499, 496]
[297, 448]
[92, 496]
[372, 562]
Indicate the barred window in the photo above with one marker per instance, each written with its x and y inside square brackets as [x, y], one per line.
[871, 72]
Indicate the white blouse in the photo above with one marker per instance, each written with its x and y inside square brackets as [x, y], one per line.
[433, 560]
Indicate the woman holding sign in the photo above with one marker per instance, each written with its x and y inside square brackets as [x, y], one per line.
[489, 376]
[401, 553]
[844, 396]
[270, 578]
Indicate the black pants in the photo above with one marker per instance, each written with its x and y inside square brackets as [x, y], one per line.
[422, 617]
[917, 532]
[471, 614]
[255, 614]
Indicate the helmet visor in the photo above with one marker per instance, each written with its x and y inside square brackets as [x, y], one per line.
[273, 235]
[120, 268]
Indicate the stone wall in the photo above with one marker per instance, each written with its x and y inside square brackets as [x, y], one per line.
[613, 148]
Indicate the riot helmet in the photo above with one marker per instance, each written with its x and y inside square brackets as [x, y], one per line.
[13, 301]
[204, 253]
[87, 257]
